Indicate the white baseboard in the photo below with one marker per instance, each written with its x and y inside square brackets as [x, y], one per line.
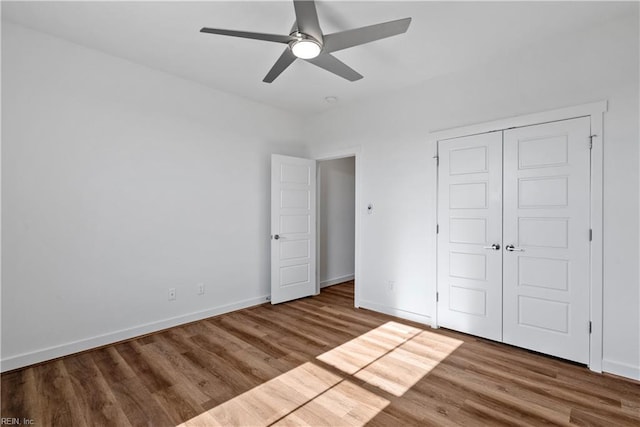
[392, 311]
[335, 281]
[37, 356]
[621, 369]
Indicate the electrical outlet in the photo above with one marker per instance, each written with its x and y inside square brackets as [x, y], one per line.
[172, 294]
[200, 288]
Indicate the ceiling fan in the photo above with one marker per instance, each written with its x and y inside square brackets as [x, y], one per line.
[306, 41]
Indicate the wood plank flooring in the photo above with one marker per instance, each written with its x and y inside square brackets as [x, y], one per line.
[315, 361]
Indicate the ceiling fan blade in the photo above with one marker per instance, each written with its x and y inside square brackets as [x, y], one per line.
[249, 35]
[335, 66]
[281, 64]
[307, 18]
[357, 36]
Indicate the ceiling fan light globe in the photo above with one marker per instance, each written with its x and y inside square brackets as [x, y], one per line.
[305, 49]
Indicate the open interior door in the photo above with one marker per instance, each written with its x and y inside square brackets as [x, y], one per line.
[293, 228]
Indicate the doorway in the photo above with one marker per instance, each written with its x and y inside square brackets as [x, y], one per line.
[295, 227]
[336, 221]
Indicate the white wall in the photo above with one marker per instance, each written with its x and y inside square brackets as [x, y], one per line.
[398, 177]
[337, 220]
[118, 183]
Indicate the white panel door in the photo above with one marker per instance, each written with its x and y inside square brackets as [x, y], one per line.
[293, 228]
[546, 237]
[470, 231]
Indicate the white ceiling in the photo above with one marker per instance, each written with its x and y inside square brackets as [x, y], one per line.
[444, 37]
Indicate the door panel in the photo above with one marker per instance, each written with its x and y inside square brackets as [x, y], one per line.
[470, 221]
[546, 219]
[293, 219]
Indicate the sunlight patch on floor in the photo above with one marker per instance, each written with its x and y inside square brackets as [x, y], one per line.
[354, 355]
[400, 369]
[346, 404]
[392, 357]
[305, 395]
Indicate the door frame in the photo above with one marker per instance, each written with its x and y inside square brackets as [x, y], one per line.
[354, 152]
[595, 111]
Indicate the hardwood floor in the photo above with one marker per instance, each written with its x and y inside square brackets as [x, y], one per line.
[315, 361]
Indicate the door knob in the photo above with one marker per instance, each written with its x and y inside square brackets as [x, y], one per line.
[512, 248]
[495, 247]
[277, 236]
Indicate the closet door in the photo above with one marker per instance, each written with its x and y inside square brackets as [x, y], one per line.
[546, 237]
[469, 238]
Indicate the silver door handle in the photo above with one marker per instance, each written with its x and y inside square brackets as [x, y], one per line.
[512, 248]
[277, 236]
[495, 247]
